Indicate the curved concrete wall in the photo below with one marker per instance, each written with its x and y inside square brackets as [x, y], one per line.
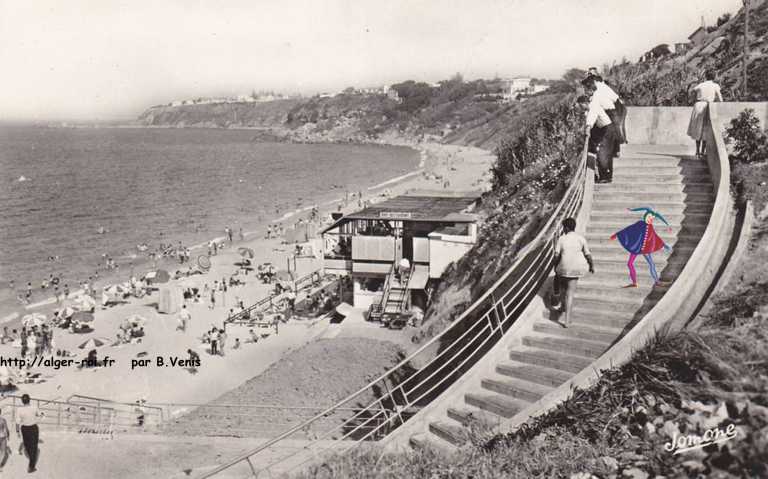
[662, 125]
[684, 296]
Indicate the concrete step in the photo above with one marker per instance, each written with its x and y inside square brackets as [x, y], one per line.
[572, 346]
[533, 373]
[495, 403]
[657, 150]
[616, 279]
[597, 239]
[629, 217]
[661, 164]
[599, 318]
[619, 255]
[473, 418]
[643, 198]
[618, 304]
[671, 267]
[430, 442]
[683, 177]
[616, 292]
[665, 208]
[451, 433]
[588, 332]
[549, 359]
[611, 252]
[619, 187]
[515, 388]
[666, 170]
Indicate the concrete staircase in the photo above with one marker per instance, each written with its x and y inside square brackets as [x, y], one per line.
[665, 178]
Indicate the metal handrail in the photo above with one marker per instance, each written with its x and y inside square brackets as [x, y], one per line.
[462, 344]
[256, 307]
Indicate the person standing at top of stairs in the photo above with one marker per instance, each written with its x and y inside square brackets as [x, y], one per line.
[604, 142]
[705, 92]
[572, 257]
[609, 100]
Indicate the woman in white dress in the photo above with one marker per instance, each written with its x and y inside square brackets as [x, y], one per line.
[706, 92]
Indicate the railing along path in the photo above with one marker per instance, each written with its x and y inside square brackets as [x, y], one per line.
[388, 401]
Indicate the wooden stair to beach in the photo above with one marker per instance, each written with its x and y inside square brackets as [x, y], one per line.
[663, 177]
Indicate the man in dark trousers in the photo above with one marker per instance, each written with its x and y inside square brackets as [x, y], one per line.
[26, 427]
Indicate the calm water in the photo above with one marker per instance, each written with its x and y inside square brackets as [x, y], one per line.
[157, 185]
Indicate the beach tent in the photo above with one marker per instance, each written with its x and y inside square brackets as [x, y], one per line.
[66, 312]
[85, 302]
[170, 301]
[83, 316]
[136, 319]
[246, 252]
[160, 276]
[95, 343]
[34, 319]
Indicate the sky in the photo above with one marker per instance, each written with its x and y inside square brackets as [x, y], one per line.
[111, 59]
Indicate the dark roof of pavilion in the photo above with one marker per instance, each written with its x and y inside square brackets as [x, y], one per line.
[418, 208]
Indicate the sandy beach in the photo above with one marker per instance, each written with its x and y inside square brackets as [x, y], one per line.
[442, 167]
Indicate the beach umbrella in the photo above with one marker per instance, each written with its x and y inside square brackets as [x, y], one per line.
[95, 343]
[204, 262]
[159, 276]
[34, 319]
[246, 252]
[136, 319]
[83, 316]
[66, 312]
[85, 302]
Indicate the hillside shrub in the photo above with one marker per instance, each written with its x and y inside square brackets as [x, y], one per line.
[750, 143]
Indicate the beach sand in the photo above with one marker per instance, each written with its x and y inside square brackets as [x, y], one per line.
[443, 167]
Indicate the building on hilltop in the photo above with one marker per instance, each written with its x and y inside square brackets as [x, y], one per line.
[396, 251]
[699, 35]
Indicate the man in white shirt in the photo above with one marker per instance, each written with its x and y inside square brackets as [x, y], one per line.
[603, 138]
[609, 100]
[26, 427]
[184, 317]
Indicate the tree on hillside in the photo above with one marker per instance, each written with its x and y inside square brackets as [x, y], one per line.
[414, 95]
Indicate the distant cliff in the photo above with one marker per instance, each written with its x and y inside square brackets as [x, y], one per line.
[272, 114]
[455, 111]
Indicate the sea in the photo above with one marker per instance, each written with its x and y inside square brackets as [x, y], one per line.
[69, 196]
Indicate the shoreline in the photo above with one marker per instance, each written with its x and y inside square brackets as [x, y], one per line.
[465, 168]
[132, 262]
[9, 305]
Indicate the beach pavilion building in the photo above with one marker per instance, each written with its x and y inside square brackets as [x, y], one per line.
[396, 250]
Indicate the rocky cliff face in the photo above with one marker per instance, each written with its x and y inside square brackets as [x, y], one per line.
[271, 114]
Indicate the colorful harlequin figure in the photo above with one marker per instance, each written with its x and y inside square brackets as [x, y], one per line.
[640, 238]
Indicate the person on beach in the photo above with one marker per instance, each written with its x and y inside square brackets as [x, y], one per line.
[640, 238]
[66, 291]
[213, 298]
[26, 428]
[23, 339]
[240, 234]
[29, 293]
[214, 342]
[194, 358]
[228, 231]
[705, 93]
[184, 317]
[572, 256]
